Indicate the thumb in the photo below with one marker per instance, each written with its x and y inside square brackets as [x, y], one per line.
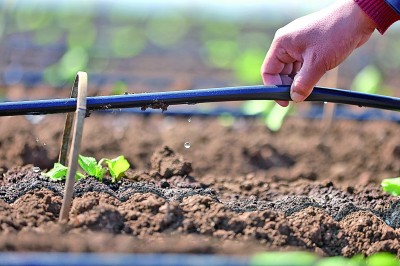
[305, 80]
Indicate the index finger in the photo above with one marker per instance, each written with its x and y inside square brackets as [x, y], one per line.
[273, 65]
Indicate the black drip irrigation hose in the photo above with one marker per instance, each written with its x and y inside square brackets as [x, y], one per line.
[163, 99]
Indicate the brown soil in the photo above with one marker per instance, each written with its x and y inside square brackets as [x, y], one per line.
[236, 190]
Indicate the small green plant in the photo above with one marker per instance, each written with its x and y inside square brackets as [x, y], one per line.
[116, 168]
[59, 172]
[273, 114]
[307, 259]
[92, 167]
[391, 185]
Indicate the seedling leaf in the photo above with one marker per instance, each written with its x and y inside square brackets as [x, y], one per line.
[59, 172]
[275, 118]
[382, 258]
[283, 259]
[91, 167]
[254, 107]
[117, 167]
[391, 185]
[226, 119]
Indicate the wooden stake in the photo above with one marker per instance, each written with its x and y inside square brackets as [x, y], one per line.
[329, 108]
[62, 158]
[80, 114]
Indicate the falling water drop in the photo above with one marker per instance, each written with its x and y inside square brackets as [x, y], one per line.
[36, 169]
[34, 119]
[189, 119]
[186, 145]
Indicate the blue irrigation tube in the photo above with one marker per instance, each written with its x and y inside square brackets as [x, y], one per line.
[163, 99]
[112, 259]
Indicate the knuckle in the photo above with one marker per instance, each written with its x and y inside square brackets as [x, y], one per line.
[280, 35]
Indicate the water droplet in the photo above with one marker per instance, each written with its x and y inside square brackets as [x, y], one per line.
[189, 119]
[34, 119]
[37, 139]
[186, 145]
[44, 144]
[325, 102]
[36, 169]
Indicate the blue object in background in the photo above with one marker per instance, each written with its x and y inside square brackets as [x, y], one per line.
[104, 259]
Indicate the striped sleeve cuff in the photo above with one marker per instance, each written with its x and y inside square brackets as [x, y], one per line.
[380, 12]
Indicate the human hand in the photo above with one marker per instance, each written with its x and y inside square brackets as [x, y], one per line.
[305, 49]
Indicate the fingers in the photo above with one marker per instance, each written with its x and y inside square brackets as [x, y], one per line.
[296, 67]
[287, 69]
[281, 69]
[277, 61]
[276, 69]
[283, 103]
[305, 80]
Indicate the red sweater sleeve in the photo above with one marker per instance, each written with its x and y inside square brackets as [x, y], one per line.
[380, 12]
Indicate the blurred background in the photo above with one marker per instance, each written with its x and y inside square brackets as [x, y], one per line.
[157, 45]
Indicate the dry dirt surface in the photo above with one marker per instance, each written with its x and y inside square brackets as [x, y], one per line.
[237, 190]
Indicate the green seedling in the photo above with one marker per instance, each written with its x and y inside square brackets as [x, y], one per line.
[391, 185]
[382, 258]
[307, 259]
[276, 116]
[273, 114]
[59, 172]
[119, 88]
[91, 167]
[116, 167]
[226, 119]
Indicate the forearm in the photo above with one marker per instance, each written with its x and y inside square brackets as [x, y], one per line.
[383, 12]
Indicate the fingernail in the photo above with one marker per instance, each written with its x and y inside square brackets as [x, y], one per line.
[296, 97]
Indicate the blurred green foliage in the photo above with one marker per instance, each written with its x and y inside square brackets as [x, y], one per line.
[167, 29]
[119, 88]
[391, 186]
[274, 120]
[283, 259]
[255, 107]
[32, 19]
[93, 36]
[308, 259]
[272, 114]
[247, 66]
[221, 53]
[47, 35]
[217, 29]
[368, 80]
[226, 119]
[126, 41]
[83, 36]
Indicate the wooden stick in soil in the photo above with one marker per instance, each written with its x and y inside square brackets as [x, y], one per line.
[80, 115]
[62, 158]
[329, 108]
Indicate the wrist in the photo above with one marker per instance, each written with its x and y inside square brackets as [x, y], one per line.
[379, 13]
